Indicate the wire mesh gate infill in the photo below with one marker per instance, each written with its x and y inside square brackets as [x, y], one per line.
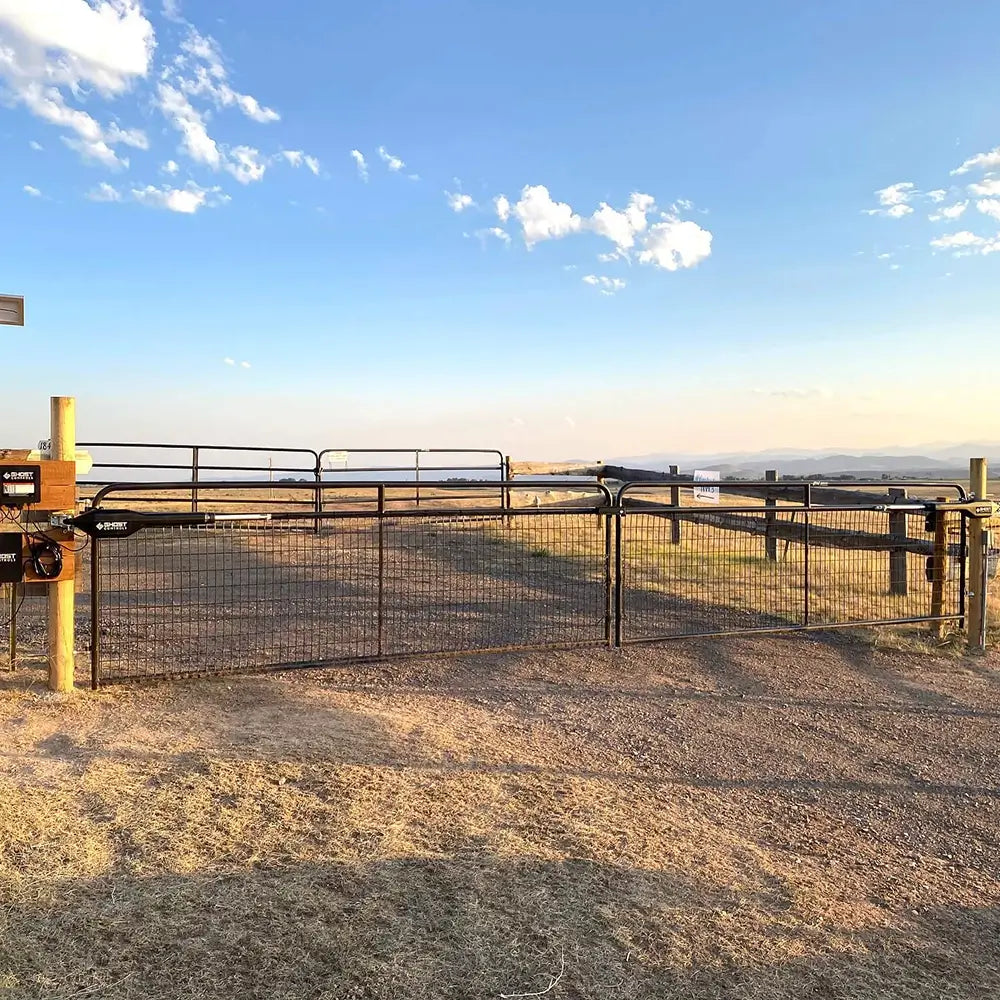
[342, 586]
[236, 597]
[773, 569]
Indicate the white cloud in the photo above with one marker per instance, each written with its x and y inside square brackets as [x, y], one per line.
[603, 282]
[894, 200]
[104, 45]
[990, 186]
[245, 164]
[670, 244]
[61, 48]
[245, 364]
[896, 194]
[394, 163]
[990, 207]
[60, 58]
[621, 227]
[939, 195]
[195, 140]
[229, 361]
[36, 146]
[949, 211]
[97, 151]
[883, 256]
[964, 243]
[894, 267]
[458, 202]
[983, 161]
[104, 192]
[361, 164]
[793, 393]
[170, 168]
[675, 244]
[200, 72]
[542, 218]
[32, 191]
[186, 200]
[496, 232]
[297, 158]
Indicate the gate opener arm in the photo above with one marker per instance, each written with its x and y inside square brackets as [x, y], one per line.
[100, 523]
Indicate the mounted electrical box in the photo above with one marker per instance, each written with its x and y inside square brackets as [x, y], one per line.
[20, 485]
[46, 484]
[11, 557]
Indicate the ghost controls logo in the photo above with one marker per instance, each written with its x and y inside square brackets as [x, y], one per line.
[6, 558]
[19, 476]
[111, 526]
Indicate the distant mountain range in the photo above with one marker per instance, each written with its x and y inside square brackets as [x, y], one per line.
[929, 461]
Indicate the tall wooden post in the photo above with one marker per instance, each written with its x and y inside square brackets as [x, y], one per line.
[897, 557]
[977, 594]
[62, 595]
[770, 538]
[675, 501]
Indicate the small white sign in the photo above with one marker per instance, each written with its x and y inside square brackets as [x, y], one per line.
[84, 460]
[706, 494]
[335, 458]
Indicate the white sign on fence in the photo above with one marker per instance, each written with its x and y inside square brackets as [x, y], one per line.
[706, 494]
[336, 458]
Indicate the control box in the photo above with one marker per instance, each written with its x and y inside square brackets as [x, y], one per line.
[11, 557]
[20, 485]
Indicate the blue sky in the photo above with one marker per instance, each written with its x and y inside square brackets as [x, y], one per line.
[725, 226]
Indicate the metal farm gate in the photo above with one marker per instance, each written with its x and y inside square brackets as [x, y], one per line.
[245, 591]
[176, 592]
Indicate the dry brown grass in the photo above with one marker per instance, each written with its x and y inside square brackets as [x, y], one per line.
[768, 818]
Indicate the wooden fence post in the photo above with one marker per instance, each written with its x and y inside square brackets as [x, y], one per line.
[770, 538]
[940, 564]
[976, 593]
[62, 595]
[897, 557]
[675, 501]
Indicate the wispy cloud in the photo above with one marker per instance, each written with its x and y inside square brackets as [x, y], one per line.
[607, 285]
[949, 211]
[104, 192]
[894, 200]
[394, 163]
[298, 158]
[29, 189]
[458, 202]
[361, 163]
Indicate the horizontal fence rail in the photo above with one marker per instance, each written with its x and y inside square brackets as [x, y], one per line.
[115, 461]
[369, 575]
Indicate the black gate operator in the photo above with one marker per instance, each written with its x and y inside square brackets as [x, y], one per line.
[11, 557]
[20, 485]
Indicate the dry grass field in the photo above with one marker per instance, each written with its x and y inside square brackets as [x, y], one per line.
[797, 817]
